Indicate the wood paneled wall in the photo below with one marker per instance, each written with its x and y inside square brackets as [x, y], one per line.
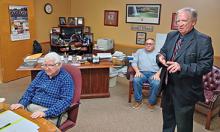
[13, 52]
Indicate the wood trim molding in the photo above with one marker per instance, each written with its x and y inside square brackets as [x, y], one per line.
[46, 42]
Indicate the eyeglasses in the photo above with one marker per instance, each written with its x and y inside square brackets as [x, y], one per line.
[49, 65]
[149, 44]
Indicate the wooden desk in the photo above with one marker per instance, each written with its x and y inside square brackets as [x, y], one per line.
[45, 126]
[95, 78]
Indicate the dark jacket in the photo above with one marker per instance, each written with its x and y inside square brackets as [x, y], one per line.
[195, 58]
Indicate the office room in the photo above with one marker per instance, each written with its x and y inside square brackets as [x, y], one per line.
[104, 101]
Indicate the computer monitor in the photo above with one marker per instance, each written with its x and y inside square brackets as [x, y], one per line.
[104, 44]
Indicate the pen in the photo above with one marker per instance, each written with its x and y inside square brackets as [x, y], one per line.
[5, 125]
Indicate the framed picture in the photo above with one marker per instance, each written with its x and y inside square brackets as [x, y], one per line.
[55, 29]
[71, 20]
[141, 38]
[89, 36]
[173, 22]
[62, 20]
[143, 13]
[111, 18]
[80, 21]
[86, 29]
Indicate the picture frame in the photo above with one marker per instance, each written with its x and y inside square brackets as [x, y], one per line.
[143, 13]
[80, 21]
[62, 20]
[111, 18]
[141, 38]
[173, 22]
[89, 36]
[71, 20]
[55, 29]
[86, 29]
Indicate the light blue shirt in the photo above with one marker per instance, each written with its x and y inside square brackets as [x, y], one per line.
[145, 61]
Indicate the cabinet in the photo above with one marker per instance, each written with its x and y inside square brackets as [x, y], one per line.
[71, 39]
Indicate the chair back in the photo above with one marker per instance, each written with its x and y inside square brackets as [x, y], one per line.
[211, 81]
[72, 113]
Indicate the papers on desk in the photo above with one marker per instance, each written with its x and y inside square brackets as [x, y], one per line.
[104, 55]
[12, 122]
[34, 56]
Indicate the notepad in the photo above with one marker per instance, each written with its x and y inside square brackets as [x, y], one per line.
[12, 122]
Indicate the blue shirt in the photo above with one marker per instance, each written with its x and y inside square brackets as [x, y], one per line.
[145, 61]
[54, 93]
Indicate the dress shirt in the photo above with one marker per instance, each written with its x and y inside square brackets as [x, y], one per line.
[54, 93]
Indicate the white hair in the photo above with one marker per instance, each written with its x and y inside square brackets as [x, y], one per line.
[53, 56]
[190, 10]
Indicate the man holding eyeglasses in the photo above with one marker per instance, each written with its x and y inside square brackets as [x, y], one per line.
[146, 70]
[50, 93]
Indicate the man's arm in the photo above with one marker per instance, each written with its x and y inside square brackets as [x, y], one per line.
[204, 60]
[135, 65]
[28, 95]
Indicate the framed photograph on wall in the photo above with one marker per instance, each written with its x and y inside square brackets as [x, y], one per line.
[62, 20]
[71, 20]
[143, 13]
[141, 38]
[111, 18]
[86, 29]
[173, 22]
[80, 21]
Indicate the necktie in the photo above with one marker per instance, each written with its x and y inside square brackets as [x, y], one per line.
[177, 47]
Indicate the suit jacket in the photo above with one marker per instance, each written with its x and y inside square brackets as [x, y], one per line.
[195, 58]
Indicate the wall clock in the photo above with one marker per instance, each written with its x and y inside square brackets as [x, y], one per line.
[48, 8]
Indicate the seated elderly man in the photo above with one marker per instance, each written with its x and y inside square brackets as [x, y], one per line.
[50, 93]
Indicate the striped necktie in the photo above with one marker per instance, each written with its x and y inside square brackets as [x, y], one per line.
[177, 47]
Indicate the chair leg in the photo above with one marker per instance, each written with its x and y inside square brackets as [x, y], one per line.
[219, 113]
[129, 95]
[208, 120]
[130, 92]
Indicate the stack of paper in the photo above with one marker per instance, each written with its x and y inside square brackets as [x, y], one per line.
[104, 55]
[12, 122]
[33, 57]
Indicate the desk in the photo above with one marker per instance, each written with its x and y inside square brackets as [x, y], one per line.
[95, 78]
[45, 126]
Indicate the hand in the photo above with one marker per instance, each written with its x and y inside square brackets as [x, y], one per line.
[138, 74]
[156, 76]
[16, 106]
[173, 67]
[38, 114]
[162, 60]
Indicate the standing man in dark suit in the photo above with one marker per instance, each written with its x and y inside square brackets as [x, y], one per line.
[186, 56]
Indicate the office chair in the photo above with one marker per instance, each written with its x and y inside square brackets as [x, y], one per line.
[211, 106]
[72, 111]
[130, 75]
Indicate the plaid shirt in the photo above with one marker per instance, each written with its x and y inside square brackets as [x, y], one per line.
[53, 93]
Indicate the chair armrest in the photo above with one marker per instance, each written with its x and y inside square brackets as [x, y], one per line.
[70, 108]
[217, 91]
[130, 72]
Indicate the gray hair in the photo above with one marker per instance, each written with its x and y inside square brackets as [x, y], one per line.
[189, 10]
[52, 56]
